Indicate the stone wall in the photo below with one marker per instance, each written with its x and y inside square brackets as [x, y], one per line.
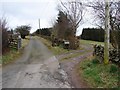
[114, 56]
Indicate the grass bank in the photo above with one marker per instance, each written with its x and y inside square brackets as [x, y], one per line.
[98, 75]
[13, 54]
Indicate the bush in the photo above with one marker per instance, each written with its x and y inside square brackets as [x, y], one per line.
[23, 30]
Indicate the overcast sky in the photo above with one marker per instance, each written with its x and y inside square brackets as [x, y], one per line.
[22, 12]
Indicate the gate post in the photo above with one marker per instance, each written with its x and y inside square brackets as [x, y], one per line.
[19, 41]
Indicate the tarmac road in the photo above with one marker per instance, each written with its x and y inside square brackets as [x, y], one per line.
[37, 68]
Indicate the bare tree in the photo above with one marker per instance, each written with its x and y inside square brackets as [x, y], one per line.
[99, 11]
[114, 13]
[3, 29]
[115, 24]
[74, 11]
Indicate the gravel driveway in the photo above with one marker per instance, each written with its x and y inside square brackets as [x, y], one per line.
[37, 68]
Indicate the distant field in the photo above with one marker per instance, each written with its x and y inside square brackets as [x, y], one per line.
[91, 42]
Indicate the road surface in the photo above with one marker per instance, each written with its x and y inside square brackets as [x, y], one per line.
[37, 68]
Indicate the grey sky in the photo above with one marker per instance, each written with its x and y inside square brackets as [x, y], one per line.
[21, 12]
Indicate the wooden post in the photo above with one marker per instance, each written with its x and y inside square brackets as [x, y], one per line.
[106, 47]
[19, 42]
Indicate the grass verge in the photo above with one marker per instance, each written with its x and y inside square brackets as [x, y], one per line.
[98, 75]
[57, 50]
[13, 54]
[10, 56]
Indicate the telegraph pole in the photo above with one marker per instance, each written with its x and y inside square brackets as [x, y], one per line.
[107, 33]
[39, 26]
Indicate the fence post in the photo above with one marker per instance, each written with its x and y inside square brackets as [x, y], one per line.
[19, 42]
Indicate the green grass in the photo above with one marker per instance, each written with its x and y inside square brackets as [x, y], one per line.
[57, 50]
[98, 75]
[90, 42]
[10, 56]
[0, 61]
[13, 54]
[25, 42]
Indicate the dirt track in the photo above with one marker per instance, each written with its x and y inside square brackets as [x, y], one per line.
[70, 65]
[37, 68]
